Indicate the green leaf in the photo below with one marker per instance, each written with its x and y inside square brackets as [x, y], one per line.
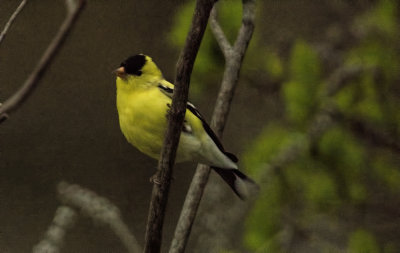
[347, 159]
[269, 143]
[274, 65]
[386, 170]
[382, 18]
[362, 241]
[264, 220]
[300, 92]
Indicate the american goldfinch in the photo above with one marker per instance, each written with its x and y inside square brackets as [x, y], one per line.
[143, 101]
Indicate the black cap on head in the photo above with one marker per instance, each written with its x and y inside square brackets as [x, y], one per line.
[134, 64]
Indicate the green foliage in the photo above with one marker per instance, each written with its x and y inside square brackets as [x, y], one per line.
[209, 63]
[362, 99]
[362, 241]
[229, 17]
[378, 51]
[339, 173]
[313, 184]
[339, 146]
[264, 220]
[381, 19]
[334, 176]
[260, 62]
[346, 155]
[274, 66]
[386, 170]
[301, 90]
[272, 140]
[209, 59]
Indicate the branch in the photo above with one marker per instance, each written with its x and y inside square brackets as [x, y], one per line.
[230, 79]
[11, 20]
[53, 240]
[247, 27]
[48, 56]
[219, 34]
[369, 132]
[359, 127]
[100, 210]
[176, 116]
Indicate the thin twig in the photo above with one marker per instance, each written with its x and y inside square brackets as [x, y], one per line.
[368, 132]
[100, 210]
[53, 240]
[33, 79]
[247, 27]
[221, 111]
[219, 34]
[11, 20]
[177, 113]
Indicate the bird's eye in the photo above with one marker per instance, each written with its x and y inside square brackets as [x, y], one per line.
[134, 64]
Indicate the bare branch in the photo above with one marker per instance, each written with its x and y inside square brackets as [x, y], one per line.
[219, 34]
[189, 209]
[247, 27]
[221, 111]
[33, 79]
[340, 78]
[11, 20]
[232, 68]
[368, 132]
[71, 6]
[99, 209]
[53, 240]
[176, 116]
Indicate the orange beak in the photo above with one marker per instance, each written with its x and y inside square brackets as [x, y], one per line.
[120, 72]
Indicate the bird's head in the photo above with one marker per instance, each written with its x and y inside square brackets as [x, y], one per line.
[138, 71]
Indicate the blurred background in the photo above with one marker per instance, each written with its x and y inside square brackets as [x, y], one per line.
[315, 121]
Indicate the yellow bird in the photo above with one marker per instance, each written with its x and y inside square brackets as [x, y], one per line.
[143, 101]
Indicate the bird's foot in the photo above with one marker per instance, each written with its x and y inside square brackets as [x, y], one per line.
[154, 179]
[168, 111]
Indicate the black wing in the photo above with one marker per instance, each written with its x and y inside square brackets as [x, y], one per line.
[169, 91]
[166, 90]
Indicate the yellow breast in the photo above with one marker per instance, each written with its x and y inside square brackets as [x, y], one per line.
[139, 117]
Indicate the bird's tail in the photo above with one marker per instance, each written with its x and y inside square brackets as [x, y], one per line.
[242, 185]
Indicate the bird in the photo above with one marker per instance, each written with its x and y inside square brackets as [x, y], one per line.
[143, 99]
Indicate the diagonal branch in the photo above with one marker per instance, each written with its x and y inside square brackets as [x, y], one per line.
[99, 209]
[230, 79]
[176, 116]
[368, 132]
[232, 68]
[219, 34]
[77, 201]
[33, 79]
[54, 237]
[11, 20]
[247, 27]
